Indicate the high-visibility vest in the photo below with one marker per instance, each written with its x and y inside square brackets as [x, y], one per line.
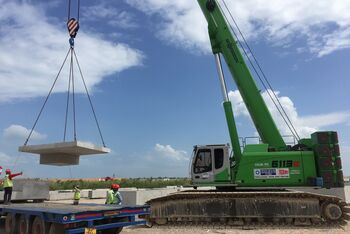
[114, 197]
[77, 194]
[118, 198]
[8, 182]
[110, 197]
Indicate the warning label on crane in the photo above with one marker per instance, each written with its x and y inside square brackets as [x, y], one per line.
[271, 173]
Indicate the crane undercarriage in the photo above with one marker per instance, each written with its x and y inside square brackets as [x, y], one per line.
[248, 208]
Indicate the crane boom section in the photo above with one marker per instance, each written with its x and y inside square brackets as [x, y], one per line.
[223, 41]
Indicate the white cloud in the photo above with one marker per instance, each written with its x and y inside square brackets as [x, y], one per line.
[4, 158]
[305, 125]
[167, 151]
[20, 132]
[324, 24]
[32, 51]
[114, 17]
[183, 23]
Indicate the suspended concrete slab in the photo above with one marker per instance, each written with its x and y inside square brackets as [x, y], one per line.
[63, 153]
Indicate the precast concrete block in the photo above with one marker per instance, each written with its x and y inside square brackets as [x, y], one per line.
[129, 197]
[84, 193]
[98, 193]
[347, 193]
[61, 195]
[145, 195]
[29, 189]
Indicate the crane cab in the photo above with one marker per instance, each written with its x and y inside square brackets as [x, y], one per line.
[211, 165]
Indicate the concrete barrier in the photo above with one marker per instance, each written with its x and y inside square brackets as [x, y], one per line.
[69, 194]
[29, 189]
[141, 196]
[97, 193]
[347, 194]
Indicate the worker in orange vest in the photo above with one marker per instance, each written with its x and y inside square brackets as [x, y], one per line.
[8, 185]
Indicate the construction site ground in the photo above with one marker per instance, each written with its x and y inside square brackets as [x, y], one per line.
[217, 229]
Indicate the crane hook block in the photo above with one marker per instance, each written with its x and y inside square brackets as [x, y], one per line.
[73, 27]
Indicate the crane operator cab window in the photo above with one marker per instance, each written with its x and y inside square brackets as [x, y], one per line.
[203, 162]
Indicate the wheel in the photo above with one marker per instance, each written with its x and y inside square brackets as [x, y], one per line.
[332, 211]
[56, 229]
[161, 221]
[23, 225]
[10, 224]
[39, 226]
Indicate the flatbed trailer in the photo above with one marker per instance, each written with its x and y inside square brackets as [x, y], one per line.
[56, 218]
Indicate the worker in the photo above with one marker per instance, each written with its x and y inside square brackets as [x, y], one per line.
[8, 185]
[113, 195]
[76, 195]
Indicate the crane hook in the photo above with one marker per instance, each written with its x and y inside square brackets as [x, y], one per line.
[73, 23]
[73, 27]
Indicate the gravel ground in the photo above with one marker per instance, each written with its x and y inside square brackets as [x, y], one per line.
[195, 230]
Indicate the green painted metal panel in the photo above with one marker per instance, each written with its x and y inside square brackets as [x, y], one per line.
[306, 141]
[256, 148]
[223, 176]
[267, 169]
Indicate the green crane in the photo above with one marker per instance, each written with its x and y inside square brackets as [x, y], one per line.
[271, 163]
[271, 167]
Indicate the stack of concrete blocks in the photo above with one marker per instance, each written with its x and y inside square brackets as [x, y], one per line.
[29, 189]
[131, 196]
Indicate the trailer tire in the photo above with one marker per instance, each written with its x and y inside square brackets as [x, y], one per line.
[39, 226]
[23, 225]
[56, 228]
[10, 224]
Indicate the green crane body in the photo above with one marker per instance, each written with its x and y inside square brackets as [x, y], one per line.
[313, 162]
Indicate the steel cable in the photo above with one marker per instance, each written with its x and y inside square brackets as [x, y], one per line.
[279, 107]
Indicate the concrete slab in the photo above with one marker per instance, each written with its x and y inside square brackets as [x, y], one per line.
[63, 153]
[59, 159]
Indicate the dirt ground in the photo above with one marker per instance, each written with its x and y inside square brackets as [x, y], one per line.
[197, 230]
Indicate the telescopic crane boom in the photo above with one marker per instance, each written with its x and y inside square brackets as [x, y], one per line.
[223, 42]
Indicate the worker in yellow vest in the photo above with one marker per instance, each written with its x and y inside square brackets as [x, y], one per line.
[76, 195]
[113, 195]
[8, 185]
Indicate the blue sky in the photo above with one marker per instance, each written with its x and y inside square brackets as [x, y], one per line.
[153, 81]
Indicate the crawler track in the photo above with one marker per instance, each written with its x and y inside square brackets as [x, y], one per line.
[263, 208]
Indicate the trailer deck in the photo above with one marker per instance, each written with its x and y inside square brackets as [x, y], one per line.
[56, 218]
